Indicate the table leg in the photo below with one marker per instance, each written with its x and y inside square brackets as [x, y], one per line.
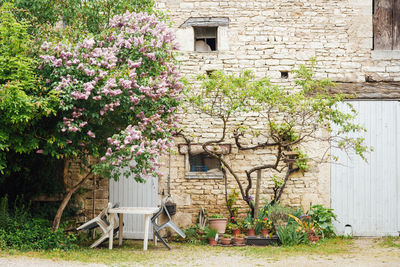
[154, 235]
[146, 230]
[121, 228]
[111, 232]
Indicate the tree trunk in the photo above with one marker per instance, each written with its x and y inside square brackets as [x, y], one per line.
[64, 202]
[257, 200]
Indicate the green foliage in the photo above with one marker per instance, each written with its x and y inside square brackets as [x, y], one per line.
[223, 94]
[3, 212]
[232, 199]
[18, 230]
[211, 233]
[34, 234]
[249, 221]
[194, 235]
[23, 102]
[289, 236]
[391, 241]
[277, 181]
[289, 118]
[217, 216]
[323, 217]
[278, 213]
[302, 160]
[82, 16]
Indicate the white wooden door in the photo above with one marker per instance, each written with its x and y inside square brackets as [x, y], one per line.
[130, 193]
[367, 195]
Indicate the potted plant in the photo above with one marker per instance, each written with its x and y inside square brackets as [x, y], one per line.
[226, 239]
[235, 225]
[307, 226]
[235, 230]
[250, 225]
[212, 235]
[239, 239]
[218, 222]
[279, 216]
[266, 225]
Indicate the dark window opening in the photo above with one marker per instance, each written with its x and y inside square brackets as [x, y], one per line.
[284, 74]
[209, 72]
[203, 163]
[205, 39]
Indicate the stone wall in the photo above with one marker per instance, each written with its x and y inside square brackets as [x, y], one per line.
[73, 174]
[269, 37]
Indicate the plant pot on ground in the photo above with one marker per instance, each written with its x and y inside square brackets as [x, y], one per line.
[251, 232]
[313, 237]
[212, 242]
[211, 234]
[239, 239]
[226, 239]
[235, 232]
[264, 232]
[218, 222]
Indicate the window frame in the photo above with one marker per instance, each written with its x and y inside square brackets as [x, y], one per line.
[221, 149]
[195, 38]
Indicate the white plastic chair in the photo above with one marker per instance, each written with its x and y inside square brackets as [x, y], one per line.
[105, 221]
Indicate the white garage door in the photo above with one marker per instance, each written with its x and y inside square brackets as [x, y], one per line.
[367, 195]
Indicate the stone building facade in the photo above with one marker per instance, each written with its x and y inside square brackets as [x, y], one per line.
[271, 38]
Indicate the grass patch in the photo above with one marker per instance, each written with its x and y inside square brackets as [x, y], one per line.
[390, 241]
[131, 252]
[323, 247]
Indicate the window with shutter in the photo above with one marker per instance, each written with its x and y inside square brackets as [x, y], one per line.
[386, 24]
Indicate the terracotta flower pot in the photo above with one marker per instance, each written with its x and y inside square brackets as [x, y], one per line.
[225, 240]
[312, 237]
[264, 232]
[251, 232]
[212, 242]
[238, 240]
[218, 224]
[235, 232]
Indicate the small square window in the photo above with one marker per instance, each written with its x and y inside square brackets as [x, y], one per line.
[205, 39]
[203, 163]
[199, 164]
[209, 72]
[284, 74]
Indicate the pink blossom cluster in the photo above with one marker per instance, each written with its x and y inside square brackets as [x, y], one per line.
[126, 72]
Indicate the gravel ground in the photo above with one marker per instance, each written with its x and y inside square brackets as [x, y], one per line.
[364, 252]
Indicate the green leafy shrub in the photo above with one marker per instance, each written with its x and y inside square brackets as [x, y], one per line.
[289, 236]
[22, 232]
[324, 218]
[23, 101]
[195, 234]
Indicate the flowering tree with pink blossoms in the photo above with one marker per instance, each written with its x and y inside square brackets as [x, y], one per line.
[119, 93]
